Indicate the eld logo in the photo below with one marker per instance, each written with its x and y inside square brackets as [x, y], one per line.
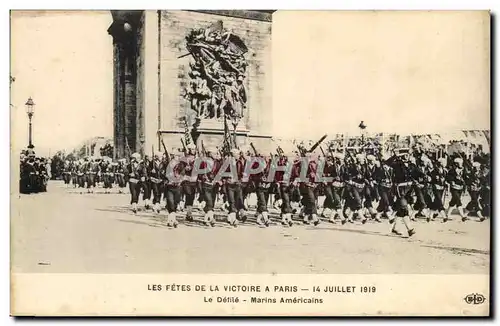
[475, 298]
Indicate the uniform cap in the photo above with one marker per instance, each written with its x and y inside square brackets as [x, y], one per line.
[137, 156]
[370, 158]
[458, 160]
[476, 164]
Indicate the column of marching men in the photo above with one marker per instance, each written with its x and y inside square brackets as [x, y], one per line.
[402, 187]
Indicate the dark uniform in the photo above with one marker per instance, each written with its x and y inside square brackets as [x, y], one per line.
[356, 174]
[262, 189]
[308, 190]
[156, 179]
[456, 179]
[136, 171]
[473, 181]
[172, 189]
[384, 176]
[438, 184]
[209, 188]
[403, 187]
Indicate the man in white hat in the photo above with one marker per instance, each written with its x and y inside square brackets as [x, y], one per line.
[136, 173]
[286, 186]
[188, 186]
[156, 171]
[108, 175]
[420, 187]
[403, 188]
[120, 171]
[173, 194]
[371, 191]
[384, 178]
[209, 186]
[473, 180]
[438, 185]
[333, 190]
[232, 189]
[262, 189]
[485, 193]
[456, 180]
[66, 173]
[308, 189]
[355, 174]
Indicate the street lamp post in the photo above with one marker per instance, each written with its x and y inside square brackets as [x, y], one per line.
[30, 106]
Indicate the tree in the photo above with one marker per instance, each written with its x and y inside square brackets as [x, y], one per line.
[107, 150]
[57, 165]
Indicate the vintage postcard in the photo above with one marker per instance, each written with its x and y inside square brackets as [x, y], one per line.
[250, 163]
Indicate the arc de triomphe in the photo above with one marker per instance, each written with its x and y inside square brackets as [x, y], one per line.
[179, 71]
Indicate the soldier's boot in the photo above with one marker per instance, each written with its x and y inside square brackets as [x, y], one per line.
[284, 219]
[303, 215]
[333, 217]
[326, 213]
[378, 217]
[147, 204]
[260, 219]
[265, 216]
[212, 218]
[420, 213]
[430, 216]
[409, 227]
[480, 215]
[134, 208]
[349, 215]
[393, 224]
[157, 208]
[172, 220]
[277, 204]
[411, 213]
[206, 218]
[361, 216]
[315, 219]
[231, 218]
[242, 214]
[448, 214]
[189, 213]
[462, 214]
[392, 217]
[340, 215]
[374, 214]
[442, 214]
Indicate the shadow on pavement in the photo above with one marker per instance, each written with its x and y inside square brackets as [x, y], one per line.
[459, 251]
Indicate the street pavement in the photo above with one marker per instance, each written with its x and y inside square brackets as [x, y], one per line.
[64, 231]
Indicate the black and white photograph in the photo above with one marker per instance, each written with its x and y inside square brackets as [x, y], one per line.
[301, 148]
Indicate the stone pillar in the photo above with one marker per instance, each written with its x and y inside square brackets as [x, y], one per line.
[124, 33]
[130, 105]
[118, 109]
